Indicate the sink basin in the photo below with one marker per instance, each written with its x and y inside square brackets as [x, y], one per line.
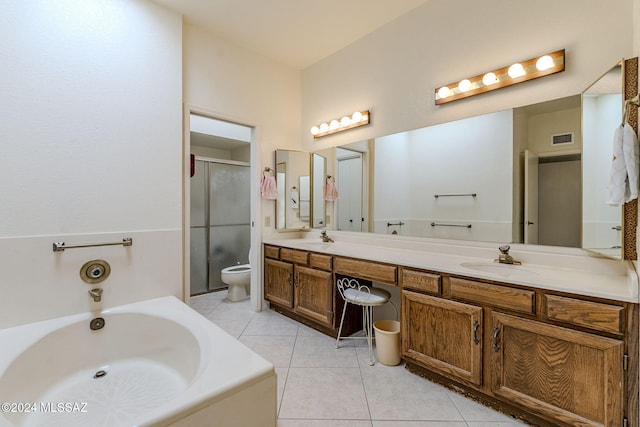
[503, 270]
[316, 246]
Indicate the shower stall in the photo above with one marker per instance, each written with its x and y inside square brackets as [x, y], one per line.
[220, 221]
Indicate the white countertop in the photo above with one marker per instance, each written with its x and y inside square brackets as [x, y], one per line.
[567, 270]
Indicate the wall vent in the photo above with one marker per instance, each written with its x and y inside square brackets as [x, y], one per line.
[562, 138]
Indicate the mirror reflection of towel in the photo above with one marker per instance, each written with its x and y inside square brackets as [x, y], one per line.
[623, 181]
[330, 190]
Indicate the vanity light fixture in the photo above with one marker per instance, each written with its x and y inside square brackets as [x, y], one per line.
[518, 72]
[357, 119]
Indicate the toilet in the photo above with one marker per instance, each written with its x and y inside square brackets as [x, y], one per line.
[238, 277]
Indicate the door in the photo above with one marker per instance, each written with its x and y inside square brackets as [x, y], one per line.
[559, 373]
[229, 218]
[314, 294]
[350, 183]
[278, 282]
[530, 198]
[444, 336]
[560, 201]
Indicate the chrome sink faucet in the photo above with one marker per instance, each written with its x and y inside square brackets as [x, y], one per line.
[505, 258]
[324, 237]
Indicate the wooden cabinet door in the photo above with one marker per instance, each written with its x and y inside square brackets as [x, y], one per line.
[564, 375]
[278, 282]
[314, 294]
[444, 336]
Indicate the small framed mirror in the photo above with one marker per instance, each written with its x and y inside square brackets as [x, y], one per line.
[293, 206]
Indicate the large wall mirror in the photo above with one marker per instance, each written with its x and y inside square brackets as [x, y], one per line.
[535, 175]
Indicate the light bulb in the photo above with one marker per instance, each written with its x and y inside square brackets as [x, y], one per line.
[544, 63]
[334, 124]
[443, 92]
[489, 79]
[356, 117]
[464, 85]
[516, 70]
[324, 127]
[315, 130]
[345, 121]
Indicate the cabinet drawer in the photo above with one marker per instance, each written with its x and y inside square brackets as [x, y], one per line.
[271, 251]
[320, 261]
[594, 315]
[366, 270]
[421, 281]
[494, 295]
[295, 256]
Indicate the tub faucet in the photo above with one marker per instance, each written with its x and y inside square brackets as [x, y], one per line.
[96, 294]
[324, 237]
[505, 258]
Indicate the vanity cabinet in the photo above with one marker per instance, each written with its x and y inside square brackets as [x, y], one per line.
[548, 357]
[278, 282]
[554, 359]
[289, 283]
[443, 335]
[566, 375]
[313, 294]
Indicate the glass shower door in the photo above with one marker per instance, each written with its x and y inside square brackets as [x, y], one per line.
[229, 219]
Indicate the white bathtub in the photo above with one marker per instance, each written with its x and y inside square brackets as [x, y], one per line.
[157, 363]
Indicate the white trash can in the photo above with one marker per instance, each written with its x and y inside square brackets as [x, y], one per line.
[387, 333]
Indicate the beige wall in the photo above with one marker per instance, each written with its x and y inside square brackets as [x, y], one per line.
[395, 70]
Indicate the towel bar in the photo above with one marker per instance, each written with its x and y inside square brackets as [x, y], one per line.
[455, 195]
[433, 224]
[60, 246]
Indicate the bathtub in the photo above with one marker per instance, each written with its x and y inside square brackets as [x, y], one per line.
[153, 363]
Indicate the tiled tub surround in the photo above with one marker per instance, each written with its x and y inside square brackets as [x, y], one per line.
[517, 335]
[39, 284]
[162, 364]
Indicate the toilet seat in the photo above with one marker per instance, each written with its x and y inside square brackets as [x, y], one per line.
[237, 269]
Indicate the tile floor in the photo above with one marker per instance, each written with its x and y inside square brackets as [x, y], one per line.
[321, 386]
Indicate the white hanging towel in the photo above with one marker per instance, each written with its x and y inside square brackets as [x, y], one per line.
[623, 181]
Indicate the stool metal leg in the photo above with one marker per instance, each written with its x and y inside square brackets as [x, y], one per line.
[369, 329]
[344, 310]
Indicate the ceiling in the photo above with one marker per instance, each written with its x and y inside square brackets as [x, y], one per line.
[297, 33]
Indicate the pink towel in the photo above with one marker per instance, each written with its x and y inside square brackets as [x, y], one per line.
[268, 188]
[330, 191]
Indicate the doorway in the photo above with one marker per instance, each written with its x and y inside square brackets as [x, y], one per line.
[219, 203]
[560, 201]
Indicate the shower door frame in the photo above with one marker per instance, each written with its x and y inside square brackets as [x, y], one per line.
[257, 292]
[207, 209]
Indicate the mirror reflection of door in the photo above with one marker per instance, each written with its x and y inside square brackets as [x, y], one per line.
[530, 198]
[350, 182]
[559, 200]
